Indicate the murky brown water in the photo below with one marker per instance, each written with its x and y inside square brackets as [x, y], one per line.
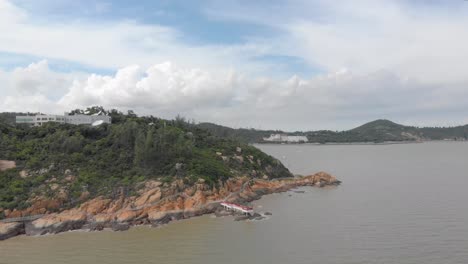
[398, 204]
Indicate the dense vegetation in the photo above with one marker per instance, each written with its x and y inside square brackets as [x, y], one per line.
[375, 131]
[107, 158]
[242, 134]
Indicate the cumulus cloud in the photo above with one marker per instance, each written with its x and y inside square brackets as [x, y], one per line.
[34, 88]
[161, 86]
[37, 78]
[229, 98]
[375, 59]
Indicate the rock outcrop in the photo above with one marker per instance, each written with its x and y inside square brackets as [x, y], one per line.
[155, 205]
[56, 223]
[8, 230]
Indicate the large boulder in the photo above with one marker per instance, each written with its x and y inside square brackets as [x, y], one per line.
[126, 216]
[164, 217]
[326, 178]
[56, 223]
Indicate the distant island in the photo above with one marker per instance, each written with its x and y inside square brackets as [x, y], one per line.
[377, 131]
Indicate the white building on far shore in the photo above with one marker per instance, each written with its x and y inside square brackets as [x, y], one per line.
[285, 138]
[39, 120]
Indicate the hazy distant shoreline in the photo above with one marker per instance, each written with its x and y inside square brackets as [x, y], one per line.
[359, 143]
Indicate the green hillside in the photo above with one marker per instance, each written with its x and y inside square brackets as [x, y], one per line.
[107, 158]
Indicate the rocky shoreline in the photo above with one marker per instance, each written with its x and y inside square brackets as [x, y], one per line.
[155, 205]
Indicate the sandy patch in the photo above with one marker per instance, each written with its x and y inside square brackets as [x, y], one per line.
[7, 164]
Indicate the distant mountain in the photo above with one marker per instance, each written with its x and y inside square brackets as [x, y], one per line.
[387, 131]
[376, 131]
[379, 125]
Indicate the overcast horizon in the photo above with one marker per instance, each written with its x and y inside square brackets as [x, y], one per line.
[284, 64]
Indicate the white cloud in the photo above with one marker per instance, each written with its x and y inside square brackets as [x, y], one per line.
[160, 87]
[380, 59]
[37, 78]
[338, 100]
[34, 88]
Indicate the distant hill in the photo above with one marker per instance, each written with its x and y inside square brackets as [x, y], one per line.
[242, 134]
[376, 131]
[389, 131]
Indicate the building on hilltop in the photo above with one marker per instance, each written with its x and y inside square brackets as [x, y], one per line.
[39, 120]
[285, 138]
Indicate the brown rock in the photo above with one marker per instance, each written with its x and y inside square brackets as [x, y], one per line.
[148, 197]
[103, 218]
[126, 216]
[15, 214]
[44, 203]
[95, 206]
[56, 223]
[156, 215]
[116, 205]
[196, 200]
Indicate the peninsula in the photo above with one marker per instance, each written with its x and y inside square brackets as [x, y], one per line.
[56, 177]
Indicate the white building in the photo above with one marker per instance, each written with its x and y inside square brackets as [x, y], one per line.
[285, 138]
[39, 120]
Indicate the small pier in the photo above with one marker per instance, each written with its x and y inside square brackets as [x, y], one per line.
[246, 210]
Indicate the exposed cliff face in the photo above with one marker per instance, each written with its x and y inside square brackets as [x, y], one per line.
[155, 204]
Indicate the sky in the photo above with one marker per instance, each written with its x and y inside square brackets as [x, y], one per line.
[277, 64]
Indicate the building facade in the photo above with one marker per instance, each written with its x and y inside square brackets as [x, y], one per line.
[39, 120]
[285, 138]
